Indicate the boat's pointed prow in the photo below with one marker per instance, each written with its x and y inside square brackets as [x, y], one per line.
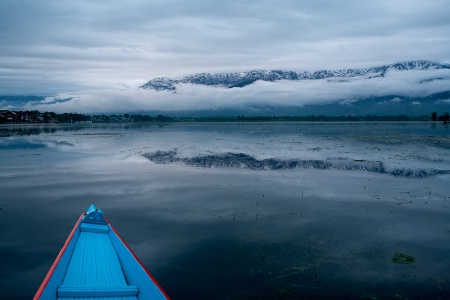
[96, 262]
[91, 208]
[94, 215]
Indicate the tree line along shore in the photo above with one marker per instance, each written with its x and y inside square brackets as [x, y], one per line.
[20, 117]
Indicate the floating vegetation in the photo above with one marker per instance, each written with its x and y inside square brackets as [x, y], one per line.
[402, 258]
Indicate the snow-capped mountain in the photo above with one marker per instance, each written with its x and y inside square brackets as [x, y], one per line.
[241, 79]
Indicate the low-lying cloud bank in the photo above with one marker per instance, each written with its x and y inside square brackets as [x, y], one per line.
[411, 84]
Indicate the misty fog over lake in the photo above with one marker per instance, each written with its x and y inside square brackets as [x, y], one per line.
[237, 210]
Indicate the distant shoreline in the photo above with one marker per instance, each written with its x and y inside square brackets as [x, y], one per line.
[36, 117]
[209, 122]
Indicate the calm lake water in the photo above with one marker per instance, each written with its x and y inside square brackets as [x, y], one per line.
[237, 211]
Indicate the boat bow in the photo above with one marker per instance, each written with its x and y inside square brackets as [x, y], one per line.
[95, 262]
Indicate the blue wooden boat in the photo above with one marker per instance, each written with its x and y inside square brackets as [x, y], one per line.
[95, 263]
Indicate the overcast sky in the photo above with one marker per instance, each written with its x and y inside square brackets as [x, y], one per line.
[97, 48]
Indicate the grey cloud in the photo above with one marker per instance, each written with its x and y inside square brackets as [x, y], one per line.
[61, 46]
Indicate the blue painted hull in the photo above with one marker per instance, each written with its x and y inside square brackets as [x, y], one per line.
[95, 263]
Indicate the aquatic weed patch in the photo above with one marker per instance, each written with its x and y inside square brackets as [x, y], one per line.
[402, 258]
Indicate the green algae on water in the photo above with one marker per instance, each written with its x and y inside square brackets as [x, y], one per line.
[402, 258]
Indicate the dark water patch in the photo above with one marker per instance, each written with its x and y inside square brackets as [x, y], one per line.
[246, 269]
[27, 130]
[23, 143]
[15, 130]
[245, 161]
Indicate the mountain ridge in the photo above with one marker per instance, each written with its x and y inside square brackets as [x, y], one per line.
[242, 79]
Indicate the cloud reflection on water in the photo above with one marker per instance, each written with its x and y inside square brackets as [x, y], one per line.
[300, 232]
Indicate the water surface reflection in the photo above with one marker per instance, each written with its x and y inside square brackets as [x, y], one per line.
[230, 233]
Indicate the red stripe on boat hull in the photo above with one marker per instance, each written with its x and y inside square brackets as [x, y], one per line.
[56, 262]
[138, 260]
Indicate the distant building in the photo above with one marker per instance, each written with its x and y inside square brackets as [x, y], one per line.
[7, 116]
